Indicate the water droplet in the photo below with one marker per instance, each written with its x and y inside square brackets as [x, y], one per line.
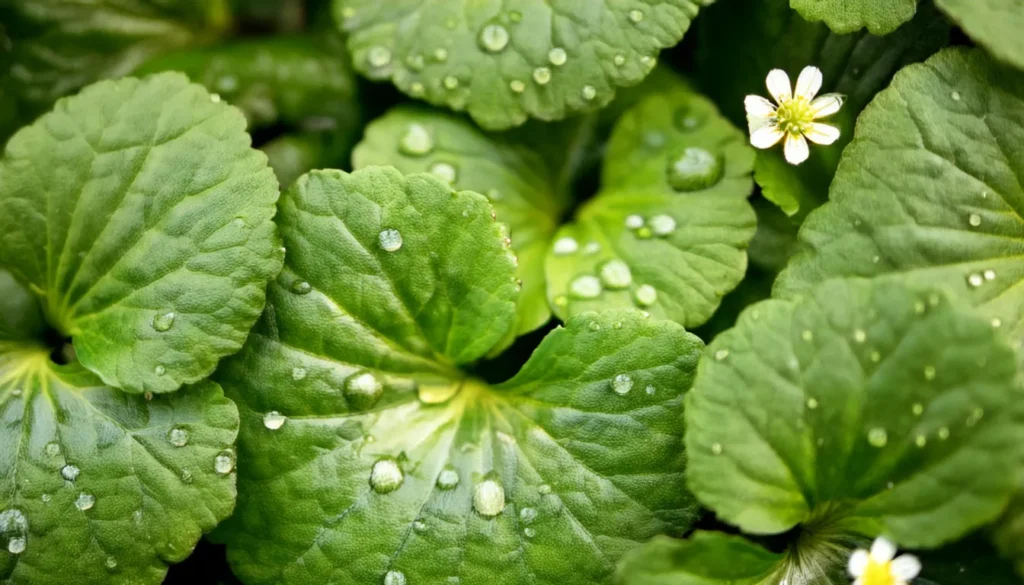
[975, 280]
[16, 545]
[394, 578]
[634, 221]
[636, 16]
[565, 246]
[594, 326]
[558, 56]
[159, 371]
[363, 390]
[542, 75]
[812, 403]
[955, 95]
[663, 225]
[860, 336]
[69, 472]
[694, 170]
[164, 321]
[588, 92]
[493, 38]
[997, 322]
[111, 563]
[85, 501]
[917, 409]
[591, 248]
[415, 62]
[616, 274]
[390, 240]
[527, 515]
[721, 354]
[619, 60]
[445, 172]
[451, 82]
[386, 476]
[517, 86]
[878, 437]
[989, 274]
[716, 448]
[186, 476]
[378, 57]
[921, 441]
[645, 295]
[441, 54]
[274, 420]
[448, 478]
[529, 532]
[585, 287]
[419, 526]
[14, 527]
[416, 141]
[301, 287]
[974, 219]
[178, 436]
[929, 372]
[807, 335]
[622, 384]
[298, 373]
[224, 462]
[561, 301]
[52, 449]
[488, 498]
[943, 433]
[417, 89]
[650, 390]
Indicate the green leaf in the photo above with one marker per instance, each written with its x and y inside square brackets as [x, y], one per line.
[844, 16]
[544, 60]
[705, 558]
[59, 46]
[139, 215]
[669, 232]
[98, 487]
[930, 192]
[413, 471]
[856, 65]
[994, 24]
[519, 182]
[861, 406]
[20, 317]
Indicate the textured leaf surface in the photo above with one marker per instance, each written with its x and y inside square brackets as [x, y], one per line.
[844, 16]
[930, 190]
[504, 63]
[705, 558]
[994, 24]
[94, 487]
[679, 233]
[864, 400]
[141, 216]
[367, 457]
[521, 185]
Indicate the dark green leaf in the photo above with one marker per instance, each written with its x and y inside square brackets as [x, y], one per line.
[705, 558]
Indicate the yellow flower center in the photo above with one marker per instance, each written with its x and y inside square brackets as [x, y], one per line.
[879, 574]
[794, 116]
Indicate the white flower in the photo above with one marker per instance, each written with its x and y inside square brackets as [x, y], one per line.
[794, 117]
[879, 568]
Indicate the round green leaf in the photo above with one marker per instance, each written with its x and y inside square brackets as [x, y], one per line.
[98, 487]
[368, 457]
[845, 16]
[705, 558]
[930, 190]
[140, 216]
[864, 403]
[514, 177]
[504, 63]
[994, 24]
[669, 233]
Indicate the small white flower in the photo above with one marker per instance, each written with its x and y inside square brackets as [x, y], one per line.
[878, 567]
[794, 117]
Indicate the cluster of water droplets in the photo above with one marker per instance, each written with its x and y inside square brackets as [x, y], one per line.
[660, 225]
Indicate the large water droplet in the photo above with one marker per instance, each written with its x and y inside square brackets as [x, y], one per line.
[224, 462]
[390, 240]
[616, 274]
[378, 57]
[622, 384]
[634, 221]
[301, 287]
[85, 501]
[52, 449]
[493, 38]
[298, 373]
[178, 436]
[394, 578]
[585, 287]
[17, 545]
[488, 498]
[163, 321]
[416, 141]
[975, 280]
[662, 225]
[878, 437]
[565, 246]
[694, 170]
[542, 75]
[69, 472]
[386, 476]
[14, 529]
[974, 220]
[274, 420]
[363, 390]
[558, 56]
[445, 172]
[448, 478]
[645, 295]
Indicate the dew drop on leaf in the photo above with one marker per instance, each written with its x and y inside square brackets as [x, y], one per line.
[943, 433]
[636, 15]
[488, 498]
[974, 220]
[52, 449]
[493, 38]
[224, 462]
[662, 225]
[527, 515]
[619, 60]
[929, 372]
[716, 449]
[622, 384]
[363, 390]
[812, 403]
[416, 141]
[274, 420]
[444, 171]
[69, 472]
[588, 92]
[542, 75]
[615, 274]
[386, 476]
[544, 489]
[164, 321]
[517, 86]
[634, 221]
[721, 354]
[159, 371]
[178, 436]
[585, 287]
[111, 563]
[645, 295]
[448, 478]
[85, 501]
[557, 56]
[451, 82]
[301, 287]
[921, 441]
[860, 336]
[565, 246]
[695, 169]
[298, 373]
[878, 437]
[378, 57]
[14, 529]
[989, 274]
[441, 54]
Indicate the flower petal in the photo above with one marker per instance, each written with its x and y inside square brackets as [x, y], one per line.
[758, 106]
[827, 105]
[882, 550]
[779, 86]
[796, 149]
[809, 82]
[858, 562]
[765, 136]
[905, 567]
[858, 581]
[822, 134]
